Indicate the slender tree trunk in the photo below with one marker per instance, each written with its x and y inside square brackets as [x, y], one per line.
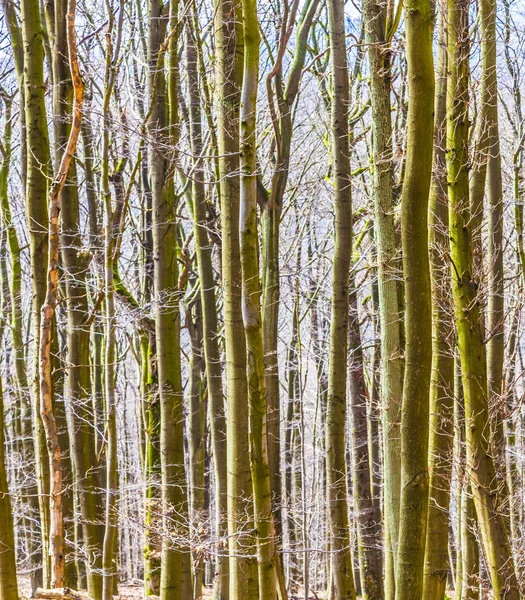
[112, 233]
[38, 168]
[467, 578]
[251, 311]
[242, 564]
[209, 316]
[368, 516]
[85, 372]
[480, 464]
[197, 437]
[378, 40]
[290, 432]
[56, 534]
[495, 307]
[75, 267]
[8, 582]
[418, 317]
[469, 547]
[29, 493]
[176, 580]
[339, 529]
[150, 405]
[442, 384]
[511, 458]
[152, 544]
[283, 121]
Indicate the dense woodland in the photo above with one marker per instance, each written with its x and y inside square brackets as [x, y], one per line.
[262, 277]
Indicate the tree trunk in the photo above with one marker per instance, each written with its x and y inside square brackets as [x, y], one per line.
[229, 48]
[368, 516]
[480, 464]
[251, 311]
[8, 582]
[339, 529]
[197, 438]
[210, 325]
[56, 533]
[176, 581]
[418, 316]
[496, 291]
[379, 53]
[75, 267]
[38, 170]
[283, 122]
[442, 384]
[29, 493]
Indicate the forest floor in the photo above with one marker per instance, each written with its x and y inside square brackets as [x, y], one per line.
[135, 592]
[126, 592]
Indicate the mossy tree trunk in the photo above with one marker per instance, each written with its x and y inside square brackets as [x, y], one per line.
[480, 463]
[242, 561]
[441, 435]
[418, 316]
[251, 310]
[37, 173]
[376, 17]
[8, 574]
[176, 579]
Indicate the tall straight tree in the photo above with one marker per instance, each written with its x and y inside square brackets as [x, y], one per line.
[56, 530]
[495, 304]
[75, 264]
[419, 22]
[176, 580]
[37, 173]
[109, 564]
[251, 310]
[336, 473]
[441, 433]
[480, 463]
[378, 22]
[210, 324]
[282, 96]
[242, 560]
[17, 319]
[8, 581]
[368, 515]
